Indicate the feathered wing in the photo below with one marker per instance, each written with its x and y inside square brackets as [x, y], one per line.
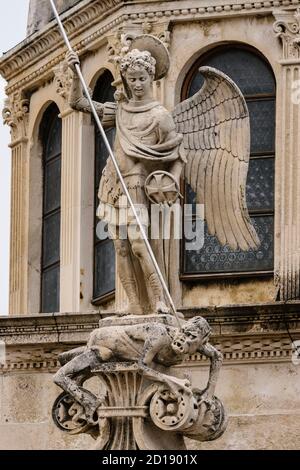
[216, 129]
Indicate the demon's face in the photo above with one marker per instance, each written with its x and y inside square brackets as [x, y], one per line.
[191, 337]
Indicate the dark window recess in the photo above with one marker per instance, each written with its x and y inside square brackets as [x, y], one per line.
[104, 254]
[50, 265]
[255, 79]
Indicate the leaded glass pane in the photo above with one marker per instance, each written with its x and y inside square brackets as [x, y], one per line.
[214, 258]
[50, 290]
[101, 151]
[104, 272]
[104, 91]
[53, 147]
[50, 266]
[262, 121]
[104, 268]
[259, 188]
[260, 184]
[52, 179]
[51, 239]
[247, 70]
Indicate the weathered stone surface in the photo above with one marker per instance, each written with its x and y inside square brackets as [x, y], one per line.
[132, 361]
[259, 432]
[40, 13]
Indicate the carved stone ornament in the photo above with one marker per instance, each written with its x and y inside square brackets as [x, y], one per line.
[136, 405]
[287, 29]
[63, 79]
[15, 114]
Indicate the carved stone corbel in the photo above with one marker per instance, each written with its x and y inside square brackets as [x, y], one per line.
[135, 414]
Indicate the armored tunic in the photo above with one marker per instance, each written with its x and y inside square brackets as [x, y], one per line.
[145, 141]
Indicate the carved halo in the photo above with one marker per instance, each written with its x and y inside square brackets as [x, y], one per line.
[157, 49]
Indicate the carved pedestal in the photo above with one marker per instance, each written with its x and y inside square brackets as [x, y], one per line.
[139, 415]
[125, 409]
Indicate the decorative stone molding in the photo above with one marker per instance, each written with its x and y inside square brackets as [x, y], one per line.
[62, 79]
[244, 334]
[15, 114]
[109, 15]
[287, 29]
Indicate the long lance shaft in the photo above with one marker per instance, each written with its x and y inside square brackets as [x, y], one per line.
[109, 149]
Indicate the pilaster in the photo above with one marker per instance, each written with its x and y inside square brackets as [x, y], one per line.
[287, 240]
[15, 114]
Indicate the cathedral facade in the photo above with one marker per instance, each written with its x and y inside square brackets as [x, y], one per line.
[63, 279]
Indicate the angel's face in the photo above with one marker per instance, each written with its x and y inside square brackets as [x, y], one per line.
[140, 83]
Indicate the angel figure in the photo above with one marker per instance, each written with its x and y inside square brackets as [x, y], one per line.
[208, 135]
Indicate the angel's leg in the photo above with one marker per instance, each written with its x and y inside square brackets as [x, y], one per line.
[152, 282]
[127, 276]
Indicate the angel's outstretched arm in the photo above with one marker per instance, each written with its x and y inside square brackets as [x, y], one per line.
[76, 99]
[78, 102]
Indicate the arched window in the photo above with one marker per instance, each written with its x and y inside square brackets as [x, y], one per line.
[104, 255]
[50, 262]
[255, 79]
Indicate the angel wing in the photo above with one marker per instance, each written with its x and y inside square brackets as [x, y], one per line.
[216, 129]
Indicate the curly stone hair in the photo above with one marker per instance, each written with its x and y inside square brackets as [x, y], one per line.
[198, 323]
[136, 59]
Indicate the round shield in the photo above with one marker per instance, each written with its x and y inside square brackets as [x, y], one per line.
[161, 187]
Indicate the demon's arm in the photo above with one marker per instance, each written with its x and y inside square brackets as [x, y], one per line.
[216, 359]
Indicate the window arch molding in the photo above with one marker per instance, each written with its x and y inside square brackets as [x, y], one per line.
[200, 54]
[95, 75]
[254, 75]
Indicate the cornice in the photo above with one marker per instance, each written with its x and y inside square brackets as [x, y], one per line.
[244, 334]
[82, 20]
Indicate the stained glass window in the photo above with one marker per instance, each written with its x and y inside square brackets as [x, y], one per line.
[255, 79]
[104, 255]
[50, 265]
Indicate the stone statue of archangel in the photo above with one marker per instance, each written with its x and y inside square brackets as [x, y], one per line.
[207, 136]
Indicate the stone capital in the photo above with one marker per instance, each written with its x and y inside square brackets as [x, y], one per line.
[15, 114]
[287, 29]
[63, 79]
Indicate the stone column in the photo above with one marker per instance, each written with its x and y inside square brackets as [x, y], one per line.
[76, 250]
[287, 233]
[70, 213]
[15, 114]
